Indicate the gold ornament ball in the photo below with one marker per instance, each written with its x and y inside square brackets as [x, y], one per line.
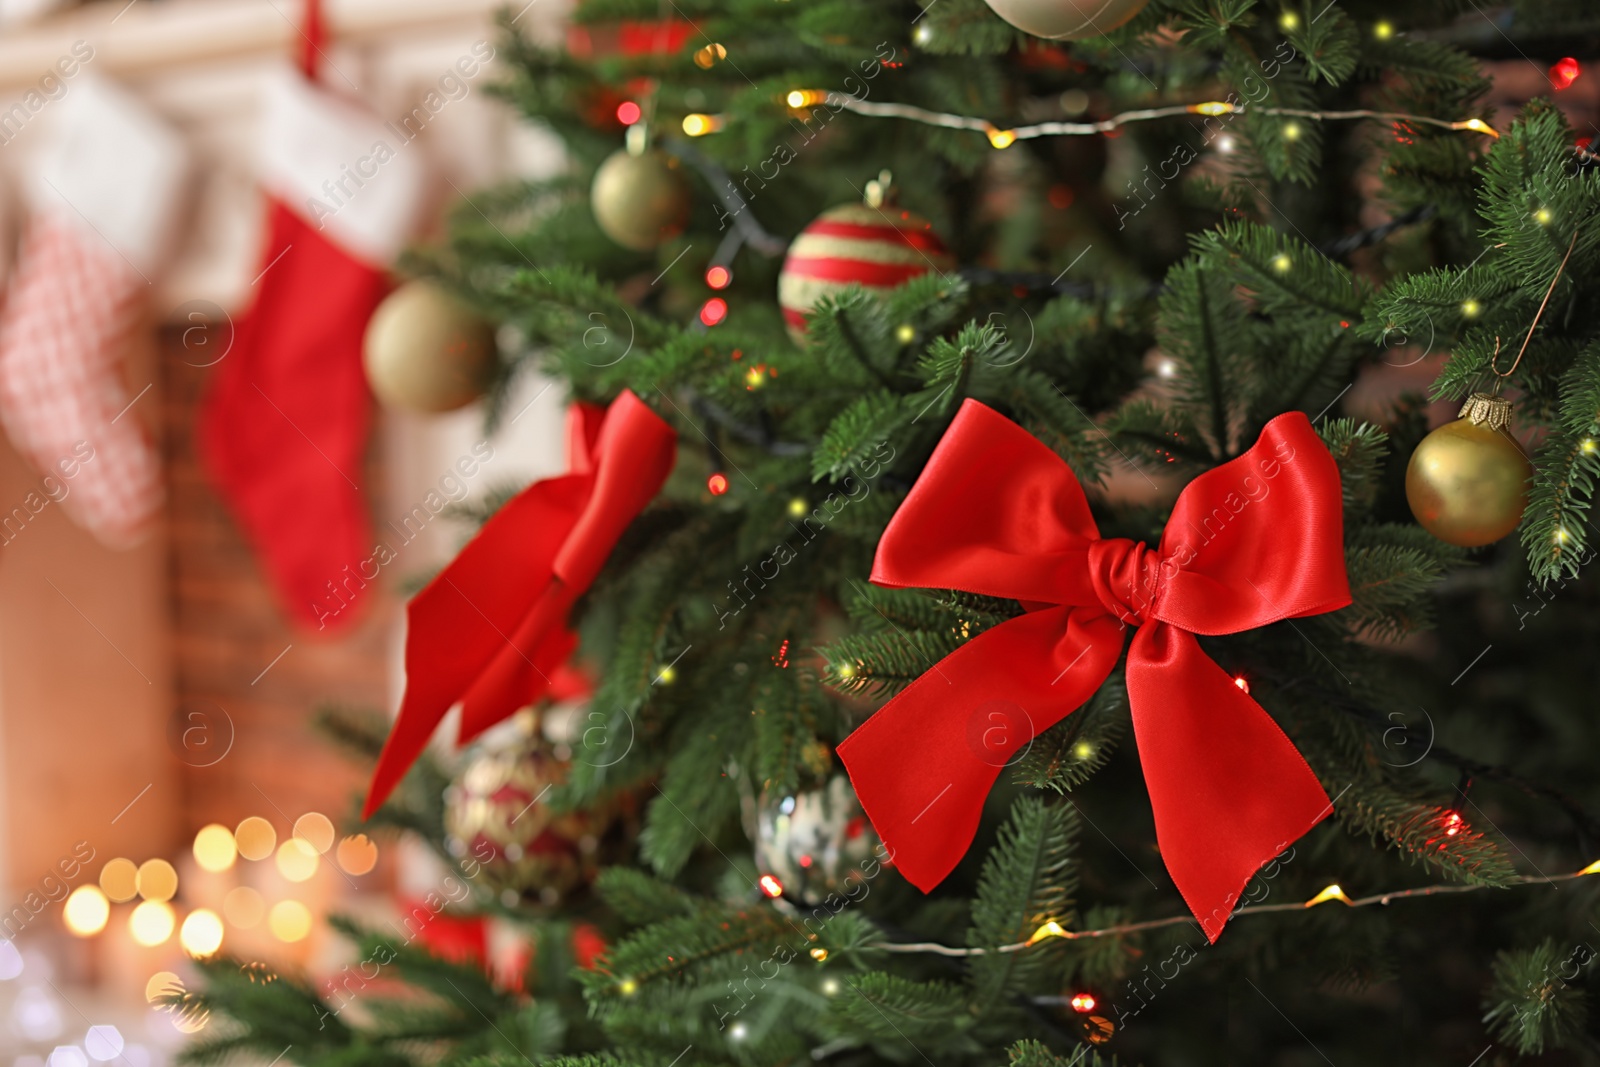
[640, 200]
[427, 351]
[1066, 20]
[1467, 483]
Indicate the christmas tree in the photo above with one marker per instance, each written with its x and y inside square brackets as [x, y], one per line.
[802, 249]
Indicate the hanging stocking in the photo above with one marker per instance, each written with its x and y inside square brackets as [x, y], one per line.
[285, 424]
[102, 202]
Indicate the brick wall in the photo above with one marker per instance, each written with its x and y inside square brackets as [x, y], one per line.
[228, 630]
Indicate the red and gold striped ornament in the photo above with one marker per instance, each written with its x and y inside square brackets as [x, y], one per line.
[876, 247]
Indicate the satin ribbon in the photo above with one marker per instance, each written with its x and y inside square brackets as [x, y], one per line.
[490, 630]
[996, 512]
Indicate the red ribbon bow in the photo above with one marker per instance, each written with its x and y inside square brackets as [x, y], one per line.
[490, 630]
[996, 512]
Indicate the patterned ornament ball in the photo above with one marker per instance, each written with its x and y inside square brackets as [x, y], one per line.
[1467, 482]
[500, 824]
[814, 841]
[876, 247]
[640, 200]
[1066, 20]
[427, 351]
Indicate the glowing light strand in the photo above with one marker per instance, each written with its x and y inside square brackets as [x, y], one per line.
[1003, 137]
[1333, 892]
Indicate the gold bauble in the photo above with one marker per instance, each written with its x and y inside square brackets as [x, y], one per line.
[1467, 483]
[1066, 20]
[640, 200]
[427, 351]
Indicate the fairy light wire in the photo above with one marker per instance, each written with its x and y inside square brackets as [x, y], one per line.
[1212, 108]
[1333, 892]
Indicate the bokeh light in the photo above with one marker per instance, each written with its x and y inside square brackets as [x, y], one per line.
[161, 984]
[201, 934]
[297, 861]
[256, 838]
[289, 920]
[86, 911]
[119, 879]
[316, 830]
[214, 848]
[157, 880]
[103, 1043]
[357, 854]
[151, 922]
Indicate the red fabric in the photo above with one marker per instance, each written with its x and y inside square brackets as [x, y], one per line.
[285, 424]
[1254, 541]
[312, 37]
[490, 631]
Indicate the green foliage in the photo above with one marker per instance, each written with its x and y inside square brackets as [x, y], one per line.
[1537, 1001]
[1028, 879]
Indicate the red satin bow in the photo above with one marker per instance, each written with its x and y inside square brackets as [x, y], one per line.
[490, 630]
[996, 512]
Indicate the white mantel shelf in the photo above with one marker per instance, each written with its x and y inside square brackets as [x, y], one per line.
[146, 37]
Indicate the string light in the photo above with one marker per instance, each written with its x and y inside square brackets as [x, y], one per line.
[1083, 1003]
[698, 125]
[1333, 892]
[1243, 684]
[1083, 750]
[1564, 73]
[1453, 823]
[1288, 22]
[1291, 131]
[708, 55]
[718, 276]
[627, 987]
[713, 311]
[1470, 308]
[1542, 216]
[771, 886]
[717, 484]
[1281, 263]
[819, 954]
[801, 98]
[628, 113]
[799, 505]
[753, 378]
[1383, 29]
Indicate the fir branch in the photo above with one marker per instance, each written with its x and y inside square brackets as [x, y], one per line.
[1029, 878]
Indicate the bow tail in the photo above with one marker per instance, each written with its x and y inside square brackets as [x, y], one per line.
[923, 765]
[520, 673]
[1228, 788]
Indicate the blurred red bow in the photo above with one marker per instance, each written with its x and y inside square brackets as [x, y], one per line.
[490, 631]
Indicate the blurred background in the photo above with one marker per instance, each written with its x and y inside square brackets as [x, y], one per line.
[156, 756]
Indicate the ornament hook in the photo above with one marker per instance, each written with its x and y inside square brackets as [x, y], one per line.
[1494, 362]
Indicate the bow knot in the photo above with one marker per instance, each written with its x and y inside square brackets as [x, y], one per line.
[1254, 541]
[1126, 577]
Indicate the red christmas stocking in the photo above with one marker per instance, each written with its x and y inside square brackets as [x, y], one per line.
[103, 196]
[286, 422]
